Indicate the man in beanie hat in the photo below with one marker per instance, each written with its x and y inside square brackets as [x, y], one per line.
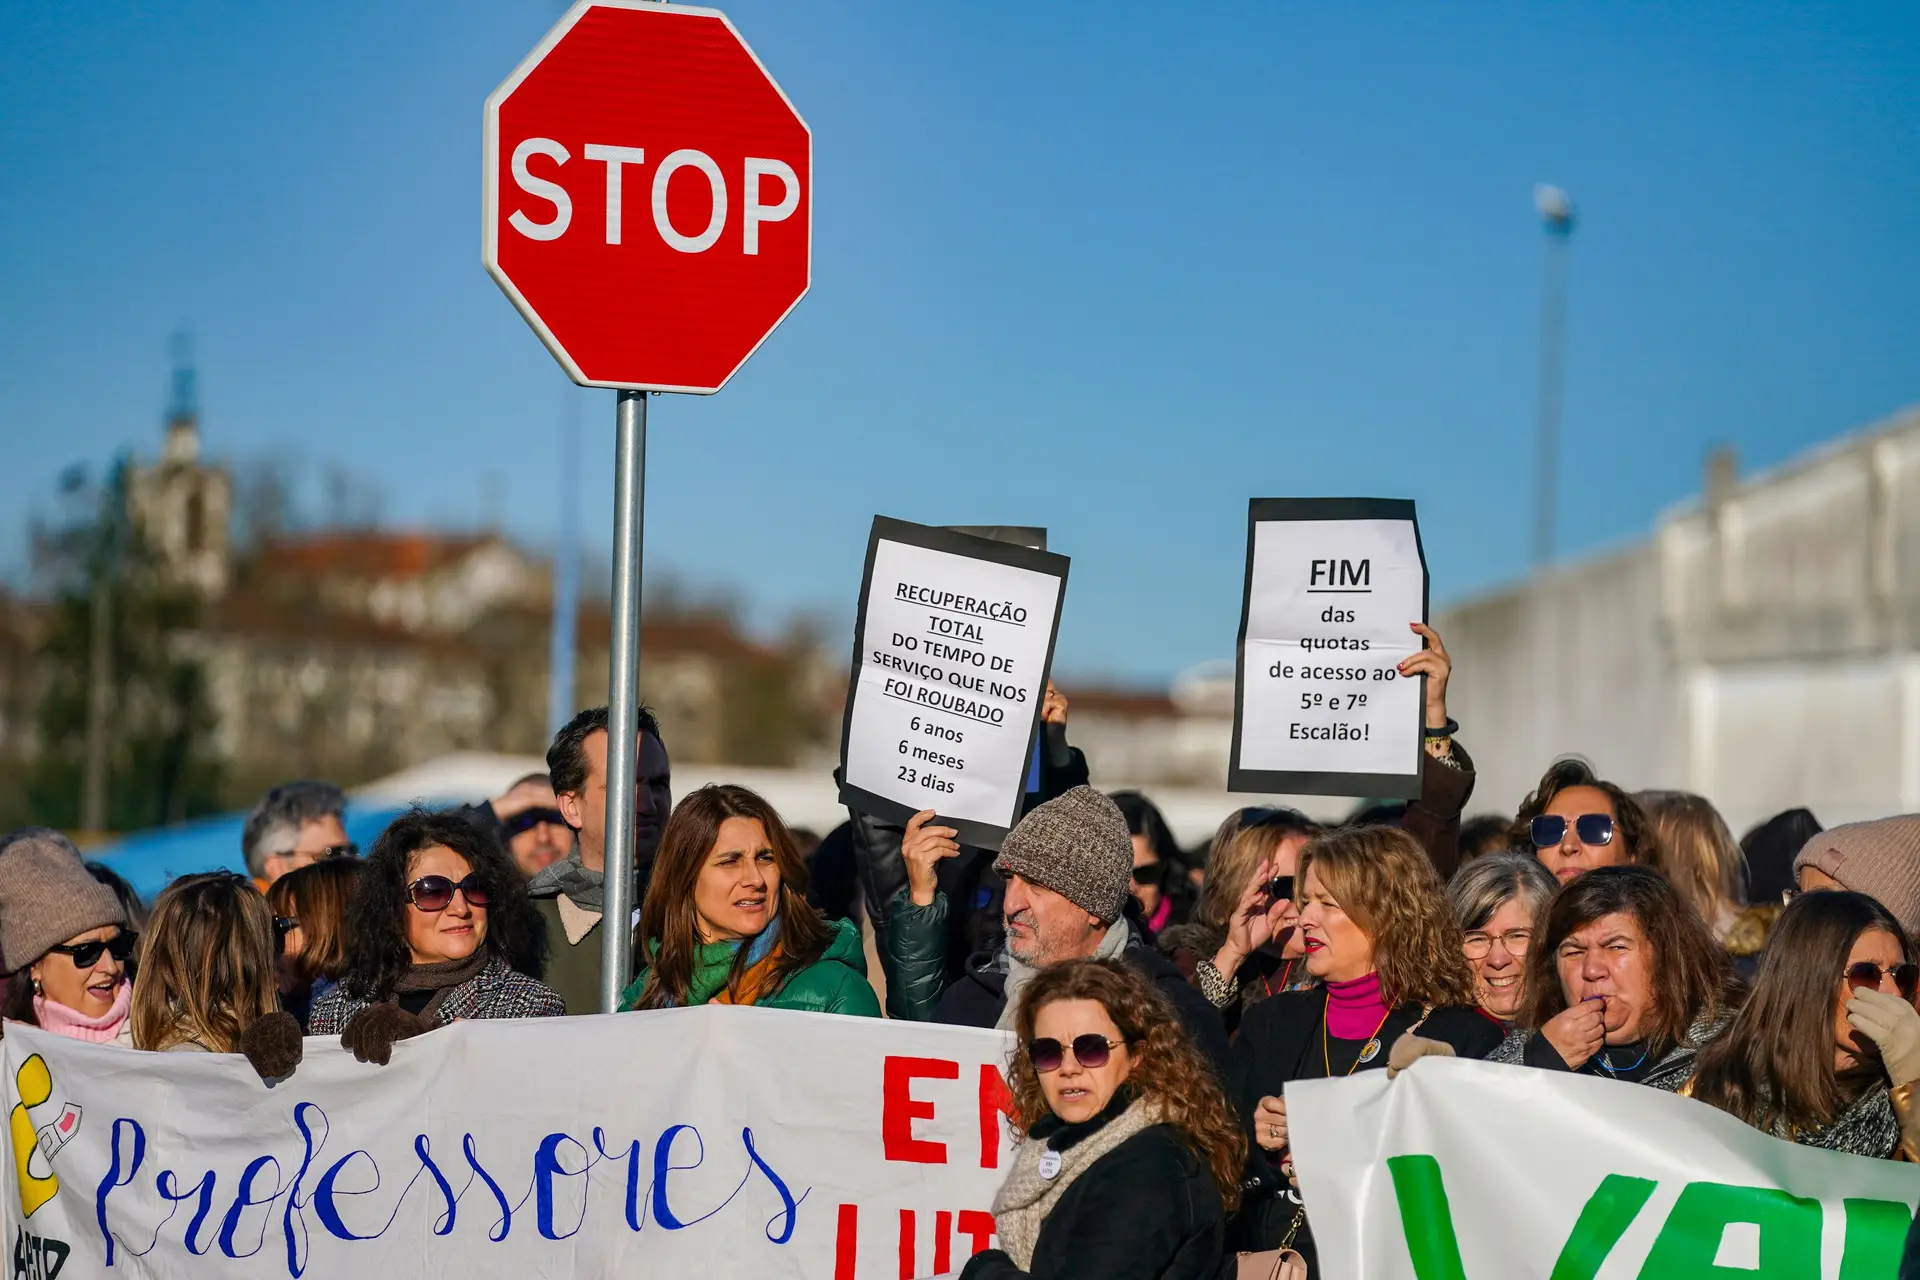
[1880, 859]
[63, 936]
[1069, 871]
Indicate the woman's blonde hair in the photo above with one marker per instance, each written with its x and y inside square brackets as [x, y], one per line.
[1382, 879]
[1246, 838]
[206, 964]
[1166, 1069]
[1696, 852]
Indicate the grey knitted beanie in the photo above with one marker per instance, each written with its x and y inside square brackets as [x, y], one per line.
[1076, 845]
[47, 896]
[1880, 859]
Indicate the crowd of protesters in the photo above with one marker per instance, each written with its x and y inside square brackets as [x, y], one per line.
[1161, 998]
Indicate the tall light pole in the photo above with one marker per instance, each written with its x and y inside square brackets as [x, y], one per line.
[1556, 218]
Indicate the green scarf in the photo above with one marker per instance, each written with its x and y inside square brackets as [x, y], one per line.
[712, 962]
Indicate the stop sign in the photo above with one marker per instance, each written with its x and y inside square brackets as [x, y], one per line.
[648, 196]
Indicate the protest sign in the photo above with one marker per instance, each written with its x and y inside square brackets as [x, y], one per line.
[1463, 1170]
[1319, 707]
[951, 651]
[741, 1142]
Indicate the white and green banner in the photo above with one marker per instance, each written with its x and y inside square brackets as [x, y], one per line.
[1473, 1171]
[711, 1142]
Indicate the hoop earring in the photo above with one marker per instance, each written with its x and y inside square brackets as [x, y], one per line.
[36, 987]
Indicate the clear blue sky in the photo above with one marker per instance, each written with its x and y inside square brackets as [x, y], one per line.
[1109, 268]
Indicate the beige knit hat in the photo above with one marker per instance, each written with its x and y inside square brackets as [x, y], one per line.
[47, 895]
[1880, 859]
[1076, 845]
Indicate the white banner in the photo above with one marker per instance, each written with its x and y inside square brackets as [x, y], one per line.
[716, 1142]
[1320, 708]
[1475, 1171]
[951, 650]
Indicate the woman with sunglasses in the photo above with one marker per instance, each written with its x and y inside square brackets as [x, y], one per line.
[1624, 981]
[1496, 898]
[207, 974]
[1379, 936]
[1130, 1157]
[727, 919]
[436, 918]
[1826, 1052]
[1160, 882]
[309, 921]
[65, 935]
[1575, 821]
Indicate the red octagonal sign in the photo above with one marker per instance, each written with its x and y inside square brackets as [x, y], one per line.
[648, 196]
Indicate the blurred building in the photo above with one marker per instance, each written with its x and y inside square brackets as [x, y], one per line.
[350, 654]
[1762, 647]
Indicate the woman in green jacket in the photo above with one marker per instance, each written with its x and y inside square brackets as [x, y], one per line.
[726, 919]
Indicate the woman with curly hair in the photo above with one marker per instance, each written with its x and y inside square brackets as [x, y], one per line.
[1130, 1157]
[437, 915]
[727, 920]
[1574, 821]
[1380, 937]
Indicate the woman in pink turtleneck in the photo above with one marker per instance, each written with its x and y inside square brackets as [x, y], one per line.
[1384, 943]
[64, 938]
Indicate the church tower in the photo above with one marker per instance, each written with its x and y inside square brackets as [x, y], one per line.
[180, 504]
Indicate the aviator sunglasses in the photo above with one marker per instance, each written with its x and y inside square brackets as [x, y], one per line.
[1090, 1051]
[1906, 977]
[85, 955]
[435, 893]
[1550, 829]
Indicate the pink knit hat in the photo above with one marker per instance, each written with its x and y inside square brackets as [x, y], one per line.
[1880, 859]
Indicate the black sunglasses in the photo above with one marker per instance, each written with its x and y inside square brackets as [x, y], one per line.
[1090, 1050]
[284, 925]
[1279, 887]
[87, 954]
[532, 818]
[1149, 872]
[1550, 829]
[1906, 977]
[435, 893]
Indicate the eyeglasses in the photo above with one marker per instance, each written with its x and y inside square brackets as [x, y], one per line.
[1480, 945]
[531, 818]
[1149, 872]
[435, 893]
[85, 955]
[1550, 829]
[1090, 1051]
[1906, 977]
[284, 925]
[347, 850]
[1280, 887]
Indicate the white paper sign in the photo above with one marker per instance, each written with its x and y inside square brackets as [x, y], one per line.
[1460, 1168]
[950, 663]
[1320, 707]
[714, 1142]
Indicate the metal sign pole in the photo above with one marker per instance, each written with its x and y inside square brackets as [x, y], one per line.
[623, 700]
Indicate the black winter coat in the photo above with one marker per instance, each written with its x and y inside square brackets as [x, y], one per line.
[1279, 1043]
[980, 995]
[1147, 1210]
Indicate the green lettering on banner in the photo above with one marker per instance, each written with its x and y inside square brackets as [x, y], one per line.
[1876, 1234]
[1690, 1240]
[1426, 1218]
[1609, 1211]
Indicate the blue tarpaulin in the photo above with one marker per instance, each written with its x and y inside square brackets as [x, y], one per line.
[150, 858]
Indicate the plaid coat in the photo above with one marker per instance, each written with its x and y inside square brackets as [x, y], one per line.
[495, 992]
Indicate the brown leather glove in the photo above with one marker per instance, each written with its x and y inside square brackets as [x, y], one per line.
[372, 1032]
[273, 1044]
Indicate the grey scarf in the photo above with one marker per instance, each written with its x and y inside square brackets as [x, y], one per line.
[1024, 1200]
[584, 886]
[1020, 973]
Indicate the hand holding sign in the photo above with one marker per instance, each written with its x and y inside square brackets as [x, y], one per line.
[1433, 663]
[924, 848]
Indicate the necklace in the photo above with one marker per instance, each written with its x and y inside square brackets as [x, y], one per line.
[1367, 1052]
[1612, 1070]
